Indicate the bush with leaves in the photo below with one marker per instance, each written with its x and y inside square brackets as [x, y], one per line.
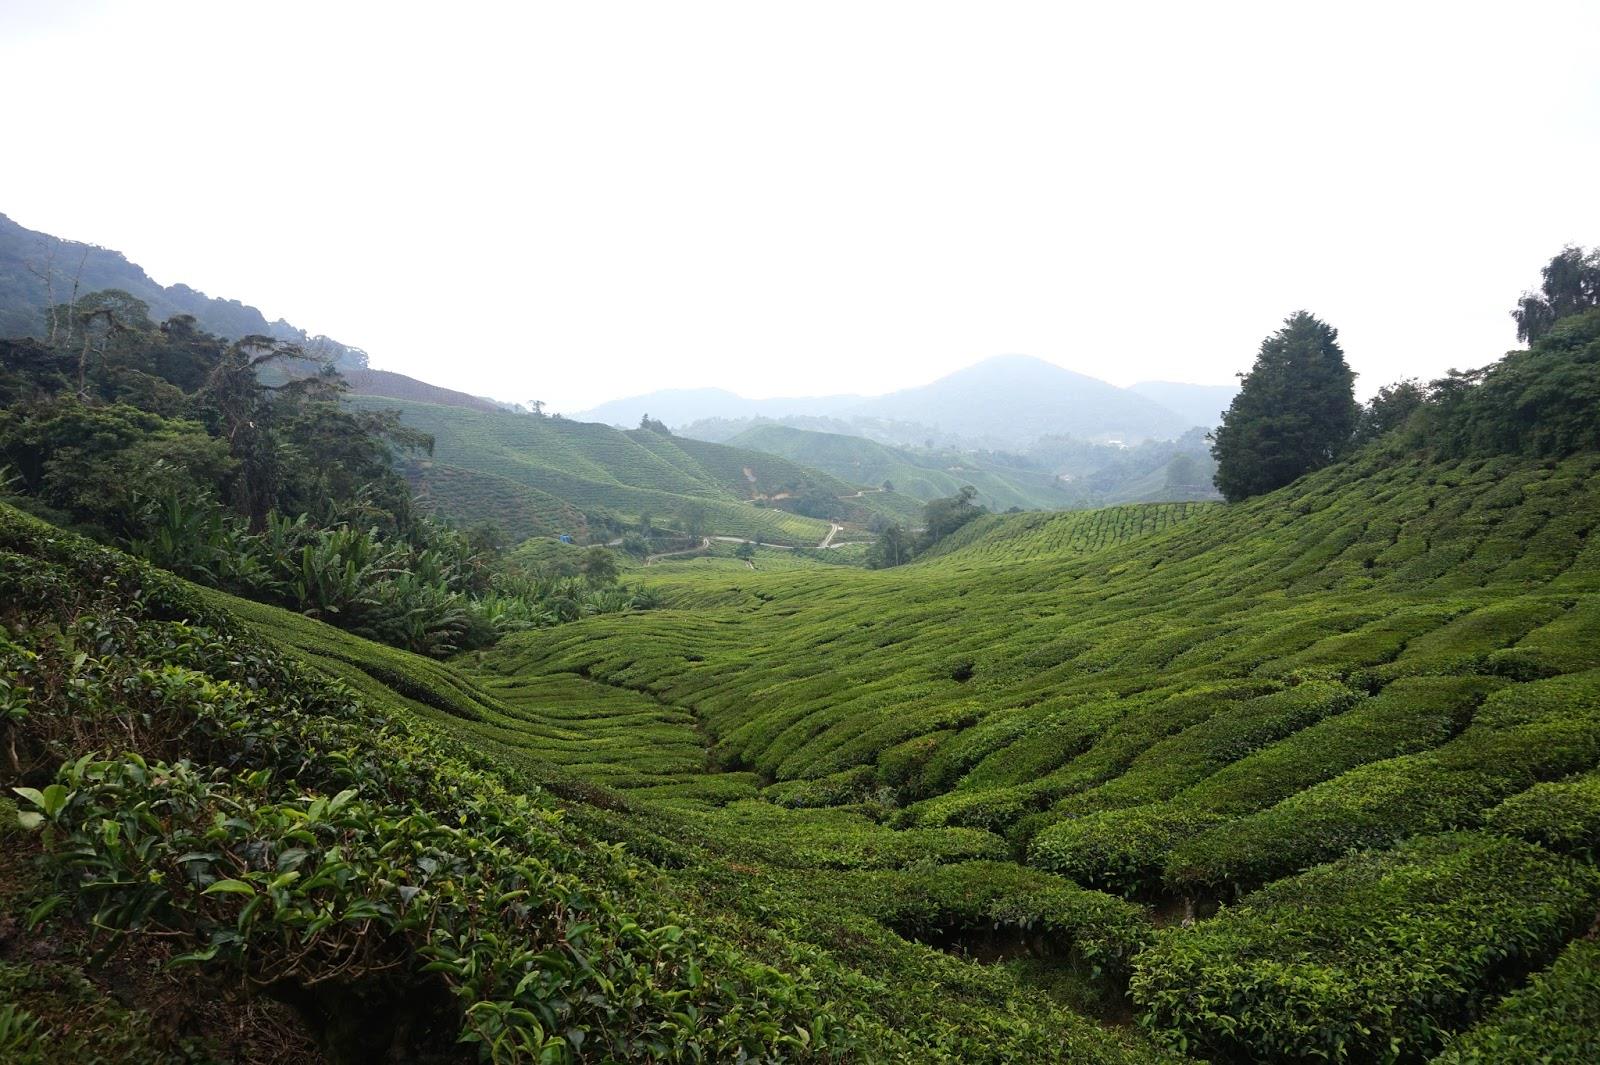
[349, 864]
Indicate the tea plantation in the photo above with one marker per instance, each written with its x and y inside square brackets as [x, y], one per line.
[536, 475]
[1312, 777]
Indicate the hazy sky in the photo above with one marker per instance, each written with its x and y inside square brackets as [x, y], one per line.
[578, 201]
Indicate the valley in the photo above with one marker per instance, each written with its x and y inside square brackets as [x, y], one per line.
[346, 727]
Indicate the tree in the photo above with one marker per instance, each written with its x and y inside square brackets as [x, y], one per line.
[655, 426]
[893, 547]
[1391, 408]
[536, 407]
[696, 522]
[1571, 286]
[1294, 413]
[599, 566]
[941, 517]
[746, 551]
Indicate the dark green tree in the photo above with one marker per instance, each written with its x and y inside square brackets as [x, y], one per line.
[941, 517]
[1391, 408]
[599, 566]
[1295, 412]
[1571, 286]
[893, 547]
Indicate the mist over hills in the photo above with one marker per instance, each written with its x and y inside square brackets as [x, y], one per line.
[1007, 401]
[1198, 404]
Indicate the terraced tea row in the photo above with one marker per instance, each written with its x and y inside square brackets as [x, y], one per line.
[1211, 709]
[504, 466]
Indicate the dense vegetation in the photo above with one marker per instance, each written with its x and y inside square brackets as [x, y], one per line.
[171, 442]
[1310, 777]
[1359, 714]
[41, 277]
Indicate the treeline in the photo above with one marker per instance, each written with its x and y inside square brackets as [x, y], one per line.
[1296, 411]
[236, 464]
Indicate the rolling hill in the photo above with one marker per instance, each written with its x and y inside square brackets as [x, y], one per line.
[1315, 776]
[922, 476]
[541, 475]
[1339, 744]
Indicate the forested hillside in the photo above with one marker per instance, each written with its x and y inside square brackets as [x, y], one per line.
[1055, 473]
[39, 272]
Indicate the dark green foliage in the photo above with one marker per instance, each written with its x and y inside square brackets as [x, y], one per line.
[1390, 408]
[1571, 286]
[1553, 1020]
[1543, 402]
[941, 517]
[942, 903]
[1370, 959]
[1295, 412]
[1562, 815]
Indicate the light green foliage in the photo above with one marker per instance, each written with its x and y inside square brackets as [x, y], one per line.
[594, 467]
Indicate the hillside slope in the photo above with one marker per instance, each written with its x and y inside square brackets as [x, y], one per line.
[37, 267]
[510, 467]
[1387, 651]
[920, 476]
[318, 849]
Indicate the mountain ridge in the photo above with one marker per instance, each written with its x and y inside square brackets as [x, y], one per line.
[1000, 401]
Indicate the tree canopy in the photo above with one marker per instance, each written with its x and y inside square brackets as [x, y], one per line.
[1295, 413]
[1571, 285]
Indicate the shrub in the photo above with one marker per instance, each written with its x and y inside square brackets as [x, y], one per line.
[1372, 958]
[1556, 1018]
[1562, 815]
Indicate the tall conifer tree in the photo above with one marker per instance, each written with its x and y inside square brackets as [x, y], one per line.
[1295, 412]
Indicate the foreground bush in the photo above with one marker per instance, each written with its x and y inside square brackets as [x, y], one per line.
[1370, 959]
[1555, 1018]
[303, 844]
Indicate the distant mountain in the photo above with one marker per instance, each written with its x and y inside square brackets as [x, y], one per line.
[1011, 400]
[680, 406]
[37, 269]
[1007, 401]
[1198, 404]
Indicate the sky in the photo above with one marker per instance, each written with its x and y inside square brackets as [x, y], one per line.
[580, 201]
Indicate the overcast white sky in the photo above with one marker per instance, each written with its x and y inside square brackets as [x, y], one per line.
[577, 201]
